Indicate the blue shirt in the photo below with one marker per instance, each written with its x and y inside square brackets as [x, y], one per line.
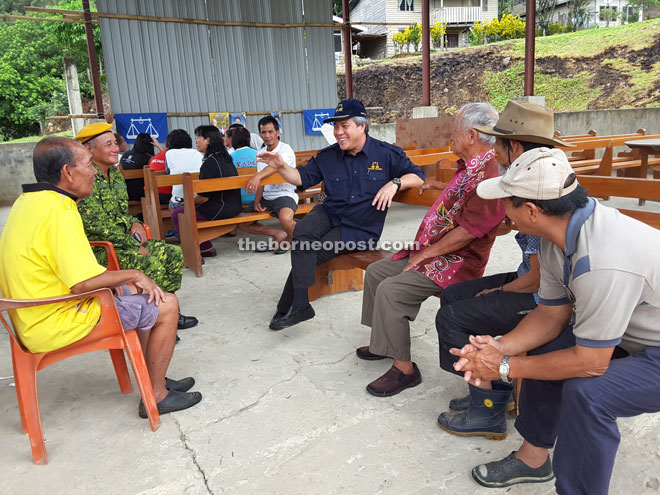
[351, 182]
[530, 244]
[244, 158]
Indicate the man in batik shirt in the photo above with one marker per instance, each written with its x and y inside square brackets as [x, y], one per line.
[105, 218]
[452, 244]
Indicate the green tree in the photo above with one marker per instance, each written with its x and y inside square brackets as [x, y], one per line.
[18, 6]
[579, 13]
[642, 5]
[545, 9]
[30, 77]
[504, 7]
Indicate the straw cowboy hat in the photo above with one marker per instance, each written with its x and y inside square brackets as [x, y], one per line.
[524, 121]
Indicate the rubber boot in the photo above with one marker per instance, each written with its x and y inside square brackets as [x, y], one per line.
[486, 415]
[462, 404]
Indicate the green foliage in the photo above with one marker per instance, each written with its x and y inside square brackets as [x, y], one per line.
[570, 94]
[558, 28]
[71, 36]
[438, 30]
[504, 7]
[579, 13]
[31, 69]
[507, 28]
[18, 6]
[30, 77]
[545, 9]
[412, 35]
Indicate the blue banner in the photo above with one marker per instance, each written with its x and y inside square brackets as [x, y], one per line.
[314, 119]
[130, 125]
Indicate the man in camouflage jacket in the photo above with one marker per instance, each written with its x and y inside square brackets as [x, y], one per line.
[105, 218]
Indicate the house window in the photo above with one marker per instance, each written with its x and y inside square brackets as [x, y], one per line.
[484, 5]
[406, 5]
[602, 14]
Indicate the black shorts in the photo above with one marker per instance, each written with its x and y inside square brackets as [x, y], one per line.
[275, 205]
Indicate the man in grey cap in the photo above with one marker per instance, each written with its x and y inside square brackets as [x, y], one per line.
[590, 352]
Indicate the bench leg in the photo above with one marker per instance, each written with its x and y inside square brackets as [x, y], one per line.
[330, 280]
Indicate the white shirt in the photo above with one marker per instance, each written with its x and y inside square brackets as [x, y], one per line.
[178, 161]
[275, 191]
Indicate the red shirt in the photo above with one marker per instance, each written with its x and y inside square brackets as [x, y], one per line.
[459, 204]
[158, 163]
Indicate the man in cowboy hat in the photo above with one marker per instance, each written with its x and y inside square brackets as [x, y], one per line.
[494, 305]
[592, 344]
[361, 176]
[106, 218]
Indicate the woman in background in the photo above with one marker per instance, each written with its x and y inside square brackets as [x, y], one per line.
[214, 205]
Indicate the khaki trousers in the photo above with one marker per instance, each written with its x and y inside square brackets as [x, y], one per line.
[390, 301]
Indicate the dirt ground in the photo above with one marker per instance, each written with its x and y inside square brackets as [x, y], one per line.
[457, 78]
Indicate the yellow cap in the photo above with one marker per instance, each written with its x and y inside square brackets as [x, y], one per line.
[90, 131]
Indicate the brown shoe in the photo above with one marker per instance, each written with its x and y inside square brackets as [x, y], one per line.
[363, 353]
[394, 381]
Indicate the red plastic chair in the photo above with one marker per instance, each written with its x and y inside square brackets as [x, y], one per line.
[108, 334]
[113, 262]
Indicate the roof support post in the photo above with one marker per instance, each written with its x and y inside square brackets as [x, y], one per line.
[93, 61]
[426, 55]
[530, 32]
[348, 52]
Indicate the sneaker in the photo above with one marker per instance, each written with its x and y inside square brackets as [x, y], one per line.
[173, 401]
[394, 381]
[510, 471]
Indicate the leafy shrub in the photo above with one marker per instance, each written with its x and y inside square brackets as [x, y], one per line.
[507, 28]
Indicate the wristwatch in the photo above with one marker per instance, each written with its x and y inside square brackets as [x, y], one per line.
[504, 369]
[397, 181]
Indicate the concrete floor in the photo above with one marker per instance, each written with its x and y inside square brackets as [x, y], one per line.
[283, 412]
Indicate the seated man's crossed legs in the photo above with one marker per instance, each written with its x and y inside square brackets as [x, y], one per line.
[284, 208]
[156, 327]
[391, 300]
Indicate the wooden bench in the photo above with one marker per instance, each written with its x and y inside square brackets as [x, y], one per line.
[158, 217]
[346, 271]
[626, 187]
[134, 207]
[193, 231]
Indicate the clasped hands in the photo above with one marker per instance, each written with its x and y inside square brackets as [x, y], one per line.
[480, 359]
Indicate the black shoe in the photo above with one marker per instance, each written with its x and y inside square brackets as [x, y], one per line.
[186, 322]
[209, 253]
[278, 314]
[173, 401]
[182, 385]
[178, 339]
[511, 471]
[292, 318]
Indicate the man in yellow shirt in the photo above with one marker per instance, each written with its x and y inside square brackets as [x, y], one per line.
[44, 253]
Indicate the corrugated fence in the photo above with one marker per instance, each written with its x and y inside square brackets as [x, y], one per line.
[179, 67]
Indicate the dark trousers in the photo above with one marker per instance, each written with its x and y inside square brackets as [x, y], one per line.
[313, 227]
[581, 413]
[463, 314]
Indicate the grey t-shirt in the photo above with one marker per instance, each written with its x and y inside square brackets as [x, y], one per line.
[612, 273]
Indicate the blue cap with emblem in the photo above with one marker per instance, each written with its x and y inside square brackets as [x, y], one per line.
[347, 109]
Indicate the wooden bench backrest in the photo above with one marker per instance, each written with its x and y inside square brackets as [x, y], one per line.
[590, 133]
[624, 187]
[137, 173]
[587, 137]
[428, 151]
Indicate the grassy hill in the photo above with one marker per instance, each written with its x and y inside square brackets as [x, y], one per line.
[614, 67]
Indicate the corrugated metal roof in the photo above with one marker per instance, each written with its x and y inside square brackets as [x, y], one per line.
[178, 67]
